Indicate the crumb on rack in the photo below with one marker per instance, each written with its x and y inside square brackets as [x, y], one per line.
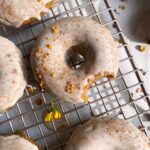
[139, 90]
[141, 48]
[31, 89]
[122, 7]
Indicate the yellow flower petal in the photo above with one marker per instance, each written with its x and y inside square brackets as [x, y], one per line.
[59, 116]
[56, 115]
[49, 117]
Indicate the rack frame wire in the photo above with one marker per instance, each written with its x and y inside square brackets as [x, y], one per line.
[27, 116]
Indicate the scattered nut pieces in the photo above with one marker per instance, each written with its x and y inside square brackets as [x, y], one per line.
[54, 29]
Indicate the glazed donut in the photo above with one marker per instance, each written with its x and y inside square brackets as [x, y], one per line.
[108, 134]
[22, 12]
[12, 74]
[16, 142]
[86, 37]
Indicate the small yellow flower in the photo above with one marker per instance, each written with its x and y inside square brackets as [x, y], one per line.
[53, 115]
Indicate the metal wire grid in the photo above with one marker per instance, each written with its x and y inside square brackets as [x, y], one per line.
[107, 98]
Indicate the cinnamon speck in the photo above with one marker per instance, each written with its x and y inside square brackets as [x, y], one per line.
[8, 55]
[13, 82]
[14, 71]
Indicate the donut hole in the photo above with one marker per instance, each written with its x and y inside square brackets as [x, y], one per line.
[80, 57]
[74, 58]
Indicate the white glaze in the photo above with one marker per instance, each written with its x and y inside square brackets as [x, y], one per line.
[71, 32]
[15, 12]
[12, 74]
[108, 134]
[15, 142]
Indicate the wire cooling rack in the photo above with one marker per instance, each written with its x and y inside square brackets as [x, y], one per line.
[124, 97]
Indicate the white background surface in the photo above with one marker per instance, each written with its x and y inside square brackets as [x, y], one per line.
[129, 22]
